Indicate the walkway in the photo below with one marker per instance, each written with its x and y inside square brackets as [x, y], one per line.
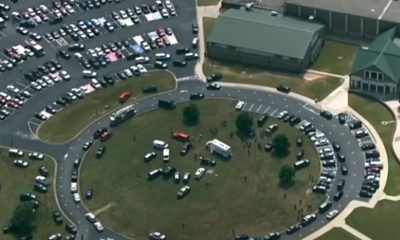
[394, 106]
[206, 11]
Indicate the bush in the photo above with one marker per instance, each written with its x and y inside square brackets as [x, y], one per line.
[191, 115]
[281, 146]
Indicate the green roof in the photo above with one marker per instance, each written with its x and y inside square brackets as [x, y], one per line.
[279, 35]
[384, 54]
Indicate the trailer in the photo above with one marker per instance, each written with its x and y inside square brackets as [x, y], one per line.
[122, 114]
[217, 147]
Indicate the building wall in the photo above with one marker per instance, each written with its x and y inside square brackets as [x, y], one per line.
[385, 89]
[341, 23]
[231, 54]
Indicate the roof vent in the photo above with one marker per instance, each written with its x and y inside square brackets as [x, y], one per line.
[274, 13]
[311, 18]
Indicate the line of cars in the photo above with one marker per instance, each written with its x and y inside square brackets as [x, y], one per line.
[373, 165]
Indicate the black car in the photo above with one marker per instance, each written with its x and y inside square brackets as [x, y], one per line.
[342, 118]
[179, 63]
[299, 141]
[77, 162]
[109, 79]
[214, 77]
[242, 237]
[340, 157]
[365, 194]
[150, 89]
[43, 171]
[100, 151]
[338, 195]
[195, 28]
[326, 114]
[185, 148]
[70, 228]
[336, 146]
[344, 169]
[262, 119]
[89, 193]
[283, 88]
[27, 197]
[292, 229]
[98, 132]
[340, 184]
[7, 228]
[182, 50]
[196, 96]
[40, 116]
[213, 86]
[76, 47]
[40, 188]
[64, 54]
[57, 217]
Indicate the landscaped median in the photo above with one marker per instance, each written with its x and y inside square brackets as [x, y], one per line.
[66, 124]
[236, 196]
[310, 85]
[376, 113]
[13, 182]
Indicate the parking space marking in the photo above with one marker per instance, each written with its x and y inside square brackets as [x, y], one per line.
[266, 110]
[50, 43]
[258, 109]
[274, 111]
[251, 107]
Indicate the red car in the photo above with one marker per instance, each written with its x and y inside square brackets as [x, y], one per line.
[13, 104]
[124, 96]
[181, 136]
[105, 136]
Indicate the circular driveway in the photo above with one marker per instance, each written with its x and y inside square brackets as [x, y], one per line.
[256, 101]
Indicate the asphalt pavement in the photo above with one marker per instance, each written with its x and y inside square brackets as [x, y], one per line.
[18, 130]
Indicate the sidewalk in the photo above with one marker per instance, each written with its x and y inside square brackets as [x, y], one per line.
[206, 11]
[393, 106]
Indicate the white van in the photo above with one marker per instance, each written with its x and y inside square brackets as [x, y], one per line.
[13, 152]
[160, 144]
[166, 155]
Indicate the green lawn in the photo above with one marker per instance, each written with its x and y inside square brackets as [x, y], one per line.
[207, 2]
[337, 234]
[255, 206]
[15, 181]
[336, 58]
[315, 89]
[85, 111]
[380, 222]
[369, 108]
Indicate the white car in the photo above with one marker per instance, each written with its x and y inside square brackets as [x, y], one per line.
[95, 83]
[5, 95]
[146, 46]
[157, 236]
[128, 72]
[199, 173]
[74, 187]
[64, 74]
[332, 214]
[40, 178]
[239, 105]
[21, 163]
[77, 198]
[142, 59]
[91, 217]
[141, 68]
[89, 74]
[98, 226]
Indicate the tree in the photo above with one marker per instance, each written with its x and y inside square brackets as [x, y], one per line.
[281, 145]
[286, 175]
[191, 115]
[244, 124]
[23, 221]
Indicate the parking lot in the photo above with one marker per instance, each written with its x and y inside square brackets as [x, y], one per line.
[143, 31]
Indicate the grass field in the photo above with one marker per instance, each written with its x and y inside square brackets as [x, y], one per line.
[207, 2]
[337, 234]
[369, 108]
[241, 194]
[84, 111]
[15, 181]
[336, 58]
[380, 222]
[315, 89]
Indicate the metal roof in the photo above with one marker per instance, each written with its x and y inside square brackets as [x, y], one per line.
[263, 33]
[383, 54]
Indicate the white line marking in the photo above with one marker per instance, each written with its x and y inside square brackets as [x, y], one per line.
[267, 109]
[259, 108]
[252, 105]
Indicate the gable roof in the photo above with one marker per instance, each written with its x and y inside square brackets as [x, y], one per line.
[279, 35]
[383, 54]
